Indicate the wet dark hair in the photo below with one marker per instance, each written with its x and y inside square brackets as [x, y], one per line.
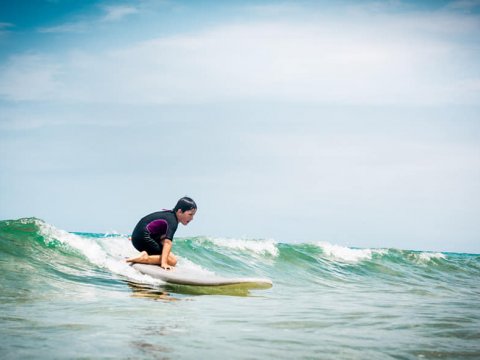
[185, 204]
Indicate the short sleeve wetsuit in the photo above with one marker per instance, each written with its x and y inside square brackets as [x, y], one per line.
[152, 229]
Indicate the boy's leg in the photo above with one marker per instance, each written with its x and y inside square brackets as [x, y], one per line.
[144, 258]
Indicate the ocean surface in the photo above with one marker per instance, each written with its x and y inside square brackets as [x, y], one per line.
[72, 296]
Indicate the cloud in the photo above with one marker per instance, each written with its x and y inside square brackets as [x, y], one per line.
[4, 25]
[274, 9]
[463, 5]
[110, 14]
[116, 13]
[5, 28]
[73, 27]
[389, 59]
[30, 78]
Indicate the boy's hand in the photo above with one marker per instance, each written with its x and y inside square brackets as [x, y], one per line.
[166, 267]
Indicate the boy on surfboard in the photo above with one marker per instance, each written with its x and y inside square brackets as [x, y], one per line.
[153, 234]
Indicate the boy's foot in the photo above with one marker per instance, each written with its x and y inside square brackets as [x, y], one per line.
[142, 257]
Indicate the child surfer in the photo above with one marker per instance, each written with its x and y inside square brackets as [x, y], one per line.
[153, 234]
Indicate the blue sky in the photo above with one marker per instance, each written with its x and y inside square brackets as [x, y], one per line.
[355, 123]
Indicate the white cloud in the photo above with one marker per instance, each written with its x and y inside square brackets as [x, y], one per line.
[4, 25]
[30, 78]
[73, 27]
[111, 14]
[116, 13]
[388, 60]
[274, 9]
[5, 28]
[463, 5]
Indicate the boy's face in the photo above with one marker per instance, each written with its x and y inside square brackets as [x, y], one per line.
[186, 217]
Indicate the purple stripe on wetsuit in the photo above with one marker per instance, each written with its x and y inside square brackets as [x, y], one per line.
[157, 227]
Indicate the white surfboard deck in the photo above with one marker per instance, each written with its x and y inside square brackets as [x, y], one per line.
[181, 276]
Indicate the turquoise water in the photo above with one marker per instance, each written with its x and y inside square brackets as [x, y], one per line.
[65, 295]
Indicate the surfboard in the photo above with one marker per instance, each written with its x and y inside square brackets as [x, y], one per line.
[179, 276]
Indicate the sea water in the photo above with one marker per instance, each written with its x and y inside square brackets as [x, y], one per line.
[71, 295]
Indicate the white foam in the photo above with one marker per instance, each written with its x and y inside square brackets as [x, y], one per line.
[108, 252]
[346, 254]
[191, 267]
[429, 256]
[258, 247]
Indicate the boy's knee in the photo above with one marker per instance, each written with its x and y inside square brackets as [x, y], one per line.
[172, 260]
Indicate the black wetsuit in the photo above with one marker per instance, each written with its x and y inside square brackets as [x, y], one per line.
[152, 229]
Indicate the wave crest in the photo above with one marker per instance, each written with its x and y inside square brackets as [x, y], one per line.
[346, 254]
[106, 252]
[427, 257]
[258, 247]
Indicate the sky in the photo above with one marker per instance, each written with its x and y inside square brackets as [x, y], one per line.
[350, 122]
